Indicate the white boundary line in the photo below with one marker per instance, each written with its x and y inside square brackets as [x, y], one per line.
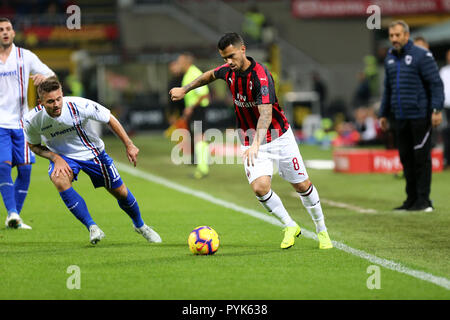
[440, 281]
[342, 205]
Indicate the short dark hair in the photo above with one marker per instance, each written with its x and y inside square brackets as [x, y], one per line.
[231, 38]
[4, 19]
[48, 85]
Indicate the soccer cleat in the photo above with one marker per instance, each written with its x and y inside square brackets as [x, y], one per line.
[424, 206]
[95, 234]
[289, 236]
[324, 240]
[13, 221]
[405, 206]
[24, 226]
[149, 234]
[199, 174]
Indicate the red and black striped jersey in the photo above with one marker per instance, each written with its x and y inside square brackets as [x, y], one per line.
[251, 88]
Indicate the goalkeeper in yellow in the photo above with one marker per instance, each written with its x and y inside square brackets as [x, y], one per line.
[195, 102]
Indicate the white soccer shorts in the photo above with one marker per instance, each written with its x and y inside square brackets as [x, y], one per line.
[283, 153]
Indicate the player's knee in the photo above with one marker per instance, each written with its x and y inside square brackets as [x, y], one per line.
[120, 192]
[261, 188]
[61, 182]
[302, 186]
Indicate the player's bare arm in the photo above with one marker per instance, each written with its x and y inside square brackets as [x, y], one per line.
[264, 120]
[179, 93]
[38, 78]
[61, 165]
[131, 149]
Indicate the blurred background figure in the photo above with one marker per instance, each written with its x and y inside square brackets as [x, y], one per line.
[362, 94]
[194, 113]
[253, 25]
[367, 126]
[73, 85]
[445, 76]
[372, 75]
[320, 87]
[175, 109]
[421, 42]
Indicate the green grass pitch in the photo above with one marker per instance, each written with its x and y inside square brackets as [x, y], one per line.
[249, 263]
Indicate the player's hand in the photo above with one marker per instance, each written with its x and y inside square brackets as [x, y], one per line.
[177, 94]
[61, 167]
[251, 154]
[384, 123]
[436, 119]
[132, 153]
[38, 79]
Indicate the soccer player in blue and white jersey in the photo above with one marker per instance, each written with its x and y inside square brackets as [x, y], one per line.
[63, 124]
[16, 65]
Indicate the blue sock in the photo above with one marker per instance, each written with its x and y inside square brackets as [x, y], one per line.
[21, 185]
[131, 207]
[7, 187]
[77, 206]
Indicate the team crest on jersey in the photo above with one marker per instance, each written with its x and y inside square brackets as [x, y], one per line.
[264, 90]
[408, 59]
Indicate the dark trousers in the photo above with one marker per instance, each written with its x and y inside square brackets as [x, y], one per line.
[199, 114]
[446, 136]
[414, 146]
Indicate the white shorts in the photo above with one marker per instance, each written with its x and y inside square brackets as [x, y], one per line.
[283, 152]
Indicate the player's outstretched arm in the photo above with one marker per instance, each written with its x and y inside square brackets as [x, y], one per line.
[131, 149]
[179, 93]
[61, 165]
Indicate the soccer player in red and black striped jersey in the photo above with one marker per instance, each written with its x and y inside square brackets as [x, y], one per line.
[266, 136]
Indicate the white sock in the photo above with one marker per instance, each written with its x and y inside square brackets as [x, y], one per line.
[311, 201]
[272, 202]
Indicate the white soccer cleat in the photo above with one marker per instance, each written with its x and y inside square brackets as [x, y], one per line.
[95, 234]
[14, 221]
[24, 226]
[149, 234]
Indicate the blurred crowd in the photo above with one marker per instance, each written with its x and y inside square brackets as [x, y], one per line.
[10, 8]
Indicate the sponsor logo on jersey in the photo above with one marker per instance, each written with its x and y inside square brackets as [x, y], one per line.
[8, 73]
[47, 127]
[244, 104]
[58, 133]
